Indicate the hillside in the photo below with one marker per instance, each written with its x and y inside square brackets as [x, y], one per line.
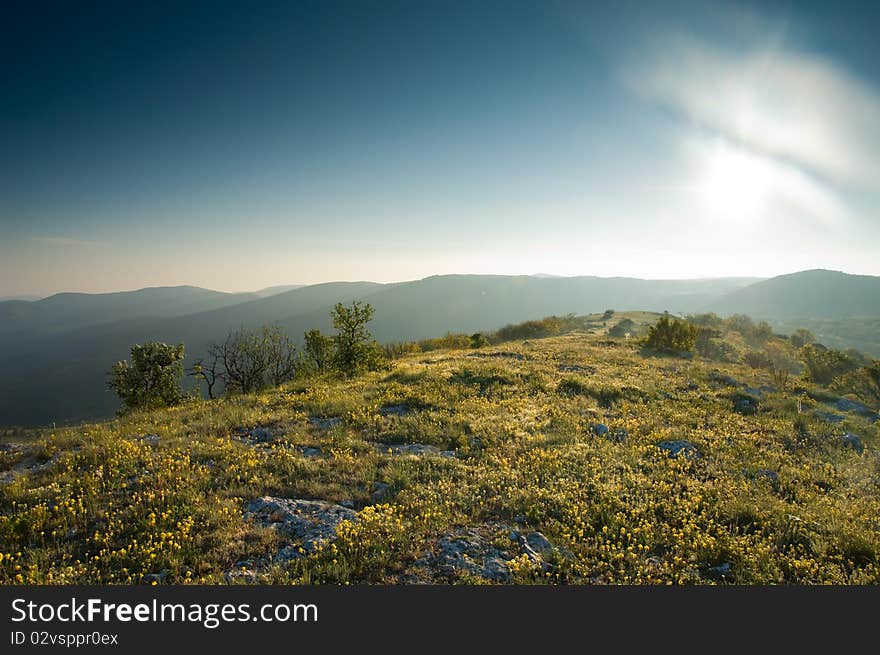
[816, 294]
[58, 375]
[56, 352]
[576, 459]
[65, 312]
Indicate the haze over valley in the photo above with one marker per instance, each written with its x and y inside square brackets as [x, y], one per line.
[56, 352]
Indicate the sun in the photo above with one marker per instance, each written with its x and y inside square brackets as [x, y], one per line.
[734, 184]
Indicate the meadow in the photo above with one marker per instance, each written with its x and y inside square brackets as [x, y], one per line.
[579, 458]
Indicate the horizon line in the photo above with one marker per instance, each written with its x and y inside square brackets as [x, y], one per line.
[36, 297]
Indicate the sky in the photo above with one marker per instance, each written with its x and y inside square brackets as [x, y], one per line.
[237, 146]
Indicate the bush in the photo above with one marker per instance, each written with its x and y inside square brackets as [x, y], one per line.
[398, 349]
[757, 359]
[672, 335]
[801, 337]
[479, 340]
[825, 364]
[863, 383]
[711, 344]
[250, 360]
[318, 351]
[546, 327]
[355, 350]
[710, 320]
[624, 327]
[152, 379]
[449, 340]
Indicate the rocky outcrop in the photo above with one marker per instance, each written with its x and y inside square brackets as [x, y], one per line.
[304, 524]
[415, 449]
[680, 448]
[476, 551]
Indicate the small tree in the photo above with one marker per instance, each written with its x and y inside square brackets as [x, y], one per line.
[243, 359]
[279, 354]
[355, 349]
[478, 340]
[210, 372]
[152, 378]
[671, 334]
[318, 351]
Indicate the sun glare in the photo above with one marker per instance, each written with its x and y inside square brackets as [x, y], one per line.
[734, 185]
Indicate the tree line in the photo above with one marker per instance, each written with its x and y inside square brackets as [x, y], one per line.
[247, 360]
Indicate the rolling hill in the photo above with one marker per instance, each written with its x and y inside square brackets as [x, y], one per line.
[810, 294]
[56, 352]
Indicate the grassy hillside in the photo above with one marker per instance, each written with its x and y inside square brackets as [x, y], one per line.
[572, 459]
[60, 377]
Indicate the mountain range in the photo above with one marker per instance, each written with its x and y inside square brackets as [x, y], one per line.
[55, 352]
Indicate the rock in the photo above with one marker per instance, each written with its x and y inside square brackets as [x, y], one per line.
[155, 578]
[466, 551]
[415, 449]
[847, 405]
[576, 368]
[721, 378]
[233, 576]
[720, 572]
[307, 523]
[830, 417]
[768, 474]
[600, 429]
[262, 434]
[325, 423]
[309, 451]
[258, 435]
[149, 439]
[508, 355]
[395, 410]
[677, 447]
[29, 465]
[347, 503]
[380, 491]
[494, 568]
[745, 405]
[539, 543]
[849, 440]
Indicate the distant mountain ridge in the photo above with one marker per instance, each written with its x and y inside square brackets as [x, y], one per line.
[68, 311]
[816, 293]
[56, 352]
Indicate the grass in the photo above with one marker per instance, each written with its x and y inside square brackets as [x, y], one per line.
[107, 506]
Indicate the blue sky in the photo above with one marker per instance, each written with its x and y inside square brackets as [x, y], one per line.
[237, 147]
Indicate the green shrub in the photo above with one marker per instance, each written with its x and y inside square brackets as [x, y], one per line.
[152, 378]
[355, 350]
[624, 326]
[825, 364]
[671, 334]
[318, 351]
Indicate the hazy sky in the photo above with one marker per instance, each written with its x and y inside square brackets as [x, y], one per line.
[237, 147]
